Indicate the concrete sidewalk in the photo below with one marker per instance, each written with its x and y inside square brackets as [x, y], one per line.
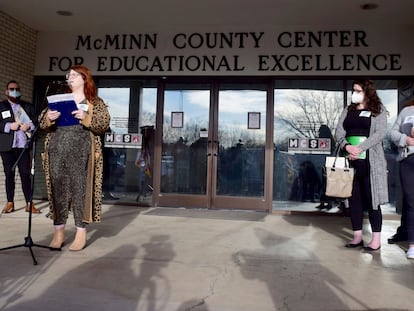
[181, 259]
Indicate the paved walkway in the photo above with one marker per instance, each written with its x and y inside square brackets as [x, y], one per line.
[180, 259]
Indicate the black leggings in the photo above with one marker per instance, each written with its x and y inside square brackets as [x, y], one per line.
[360, 199]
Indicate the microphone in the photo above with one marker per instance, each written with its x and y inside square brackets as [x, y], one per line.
[60, 82]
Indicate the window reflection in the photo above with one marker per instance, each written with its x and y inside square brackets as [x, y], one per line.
[300, 113]
[184, 149]
[302, 109]
[117, 100]
[148, 107]
[304, 113]
[240, 166]
[125, 177]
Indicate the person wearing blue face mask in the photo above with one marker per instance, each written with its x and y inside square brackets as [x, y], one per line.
[15, 126]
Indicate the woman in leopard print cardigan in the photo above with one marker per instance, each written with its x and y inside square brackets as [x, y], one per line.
[72, 159]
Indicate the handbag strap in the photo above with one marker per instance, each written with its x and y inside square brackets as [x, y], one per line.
[337, 149]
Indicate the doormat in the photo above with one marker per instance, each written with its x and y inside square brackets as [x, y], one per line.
[207, 214]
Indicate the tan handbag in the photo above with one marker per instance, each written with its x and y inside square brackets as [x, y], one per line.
[339, 177]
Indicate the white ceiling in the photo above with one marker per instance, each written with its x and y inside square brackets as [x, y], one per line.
[100, 15]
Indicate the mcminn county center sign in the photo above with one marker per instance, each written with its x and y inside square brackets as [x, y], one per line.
[289, 51]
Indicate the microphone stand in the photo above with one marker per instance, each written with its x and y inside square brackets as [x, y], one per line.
[28, 241]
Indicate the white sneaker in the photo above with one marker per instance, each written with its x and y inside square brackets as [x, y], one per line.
[410, 253]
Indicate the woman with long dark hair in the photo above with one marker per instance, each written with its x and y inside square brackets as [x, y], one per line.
[361, 128]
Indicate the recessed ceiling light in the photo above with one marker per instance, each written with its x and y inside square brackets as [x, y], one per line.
[369, 6]
[64, 13]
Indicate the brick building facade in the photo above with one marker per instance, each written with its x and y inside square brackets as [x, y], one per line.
[17, 62]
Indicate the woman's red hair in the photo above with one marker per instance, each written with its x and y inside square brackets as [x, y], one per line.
[90, 87]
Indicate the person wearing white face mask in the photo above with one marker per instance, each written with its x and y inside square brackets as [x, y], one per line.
[15, 125]
[361, 128]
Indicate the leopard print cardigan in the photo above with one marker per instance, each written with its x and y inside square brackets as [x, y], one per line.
[96, 122]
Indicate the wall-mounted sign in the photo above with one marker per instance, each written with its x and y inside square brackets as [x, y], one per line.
[278, 50]
[203, 133]
[177, 119]
[253, 120]
[129, 140]
[309, 145]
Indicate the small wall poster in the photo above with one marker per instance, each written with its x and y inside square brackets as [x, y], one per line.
[177, 119]
[253, 120]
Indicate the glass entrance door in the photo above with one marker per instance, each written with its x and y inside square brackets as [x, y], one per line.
[305, 111]
[239, 147]
[213, 146]
[185, 145]
[127, 176]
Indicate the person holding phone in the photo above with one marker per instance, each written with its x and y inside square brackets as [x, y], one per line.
[15, 127]
[402, 135]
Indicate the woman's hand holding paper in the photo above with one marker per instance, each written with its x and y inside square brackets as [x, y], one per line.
[53, 115]
[79, 114]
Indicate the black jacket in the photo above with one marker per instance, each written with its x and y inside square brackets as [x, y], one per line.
[7, 115]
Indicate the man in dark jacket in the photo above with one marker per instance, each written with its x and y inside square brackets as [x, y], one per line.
[15, 126]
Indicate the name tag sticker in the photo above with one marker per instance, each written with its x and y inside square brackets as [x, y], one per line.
[83, 107]
[409, 119]
[365, 114]
[6, 114]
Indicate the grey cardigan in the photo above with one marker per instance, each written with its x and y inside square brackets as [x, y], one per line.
[377, 161]
[398, 135]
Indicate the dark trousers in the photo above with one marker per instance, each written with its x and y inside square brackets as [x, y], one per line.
[360, 199]
[402, 229]
[407, 182]
[9, 159]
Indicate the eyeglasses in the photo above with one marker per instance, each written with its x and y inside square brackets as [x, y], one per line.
[14, 89]
[72, 75]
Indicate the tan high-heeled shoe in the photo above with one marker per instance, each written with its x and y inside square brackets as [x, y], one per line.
[80, 240]
[58, 239]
